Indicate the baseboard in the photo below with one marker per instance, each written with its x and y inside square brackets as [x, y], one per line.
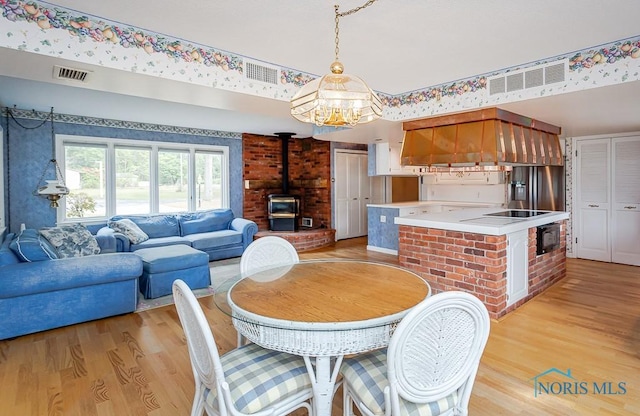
[382, 250]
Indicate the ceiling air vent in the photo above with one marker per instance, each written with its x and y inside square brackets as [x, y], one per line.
[261, 72]
[524, 79]
[71, 74]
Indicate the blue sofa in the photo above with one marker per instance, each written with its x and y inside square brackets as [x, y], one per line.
[50, 293]
[216, 232]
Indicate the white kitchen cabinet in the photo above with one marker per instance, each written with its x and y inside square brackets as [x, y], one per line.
[388, 160]
[417, 210]
[517, 266]
[607, 223]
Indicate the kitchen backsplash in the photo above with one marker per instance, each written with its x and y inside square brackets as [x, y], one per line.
[464, 193]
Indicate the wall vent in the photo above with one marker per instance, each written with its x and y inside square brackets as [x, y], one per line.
[539, 76]
[261, 72]
[71, 74]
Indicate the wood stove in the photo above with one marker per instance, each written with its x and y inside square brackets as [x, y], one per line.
[284, 211]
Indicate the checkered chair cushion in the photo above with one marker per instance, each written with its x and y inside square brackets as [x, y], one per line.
[366, 375]
[259, 377]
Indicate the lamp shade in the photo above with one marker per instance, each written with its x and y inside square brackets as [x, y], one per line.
[336, 99]
[53, 187]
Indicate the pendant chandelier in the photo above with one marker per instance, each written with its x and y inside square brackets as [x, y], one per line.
[54, 189]
[337, 99]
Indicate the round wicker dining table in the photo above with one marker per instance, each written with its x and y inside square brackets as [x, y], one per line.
[321, 310]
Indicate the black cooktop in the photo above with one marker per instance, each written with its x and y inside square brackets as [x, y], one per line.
[517, 214]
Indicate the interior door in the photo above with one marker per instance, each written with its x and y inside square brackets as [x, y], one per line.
[341, 192]
[352, 194]
[593, 168]
[625, 211]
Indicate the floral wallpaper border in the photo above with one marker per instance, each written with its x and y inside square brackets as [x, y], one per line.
[41, 27]
[104, 122]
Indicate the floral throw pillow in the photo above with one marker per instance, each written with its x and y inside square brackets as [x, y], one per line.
[73, 240]
[130, 229]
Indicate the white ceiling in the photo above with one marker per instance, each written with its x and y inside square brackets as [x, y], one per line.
[395, 46]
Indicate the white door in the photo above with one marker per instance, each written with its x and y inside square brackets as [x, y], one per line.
[341, 192]
[365, 193]
[352, 194]
[625, 210]
[517, 266]
[593, 169]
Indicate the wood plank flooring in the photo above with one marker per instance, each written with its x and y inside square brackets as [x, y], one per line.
[137, 364]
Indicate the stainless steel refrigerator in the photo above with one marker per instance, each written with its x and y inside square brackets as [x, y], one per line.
[537, 187]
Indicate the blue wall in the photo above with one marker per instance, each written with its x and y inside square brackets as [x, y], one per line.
[27, 151]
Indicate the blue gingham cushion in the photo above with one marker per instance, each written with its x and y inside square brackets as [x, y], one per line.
[258, 377]
[367, 376]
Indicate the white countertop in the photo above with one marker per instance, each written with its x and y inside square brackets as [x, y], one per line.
[474, 220]
[416, 204]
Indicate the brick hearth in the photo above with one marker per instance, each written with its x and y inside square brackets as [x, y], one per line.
[305, 240]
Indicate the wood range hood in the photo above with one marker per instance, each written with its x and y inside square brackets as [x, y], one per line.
[480, 138]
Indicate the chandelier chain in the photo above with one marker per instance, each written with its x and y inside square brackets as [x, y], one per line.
[343, 14]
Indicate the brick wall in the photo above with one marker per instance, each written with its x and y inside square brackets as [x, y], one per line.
[476, 263]
[309, 159]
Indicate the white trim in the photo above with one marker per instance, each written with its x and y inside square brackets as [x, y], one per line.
[382, 250]
[154, 147]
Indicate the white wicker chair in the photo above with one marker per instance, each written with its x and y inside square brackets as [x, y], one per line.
[268, 251]
[245, 381]
[430, 365]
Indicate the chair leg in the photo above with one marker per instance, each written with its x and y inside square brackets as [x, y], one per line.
[198, 401]
[241, 340]
[347, 402]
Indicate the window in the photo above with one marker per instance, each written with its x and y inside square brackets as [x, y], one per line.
[209, 180]
[112, 176]
[85, 176]
[173, 175]
[133, 187]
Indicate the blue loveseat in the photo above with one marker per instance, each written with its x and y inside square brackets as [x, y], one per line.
[216, 232]
[50, 293]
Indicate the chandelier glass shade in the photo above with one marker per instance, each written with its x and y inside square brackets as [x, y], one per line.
[337, 99]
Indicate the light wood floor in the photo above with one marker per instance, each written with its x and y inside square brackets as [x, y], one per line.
[137, 364]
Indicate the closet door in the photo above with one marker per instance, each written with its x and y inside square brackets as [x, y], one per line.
[593, 199]
[625, 221]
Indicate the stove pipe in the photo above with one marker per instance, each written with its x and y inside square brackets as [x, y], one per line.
[285, 160]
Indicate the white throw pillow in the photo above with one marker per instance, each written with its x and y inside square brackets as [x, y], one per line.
[130, 229]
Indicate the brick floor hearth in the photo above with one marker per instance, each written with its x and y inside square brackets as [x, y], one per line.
[305, 239]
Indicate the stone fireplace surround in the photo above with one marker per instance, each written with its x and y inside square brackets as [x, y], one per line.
[309, 172]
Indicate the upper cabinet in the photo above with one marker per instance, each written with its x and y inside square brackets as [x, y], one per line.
[388, 160]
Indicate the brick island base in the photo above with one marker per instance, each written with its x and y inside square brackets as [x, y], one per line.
[477, 263]
[304, 240]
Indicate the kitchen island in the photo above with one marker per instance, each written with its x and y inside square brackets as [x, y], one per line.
[495, 257]
[382, 229]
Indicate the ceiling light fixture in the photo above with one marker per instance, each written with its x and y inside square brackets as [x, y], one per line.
[337, 99]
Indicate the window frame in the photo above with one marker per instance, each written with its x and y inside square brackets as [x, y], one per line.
[62, 140]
